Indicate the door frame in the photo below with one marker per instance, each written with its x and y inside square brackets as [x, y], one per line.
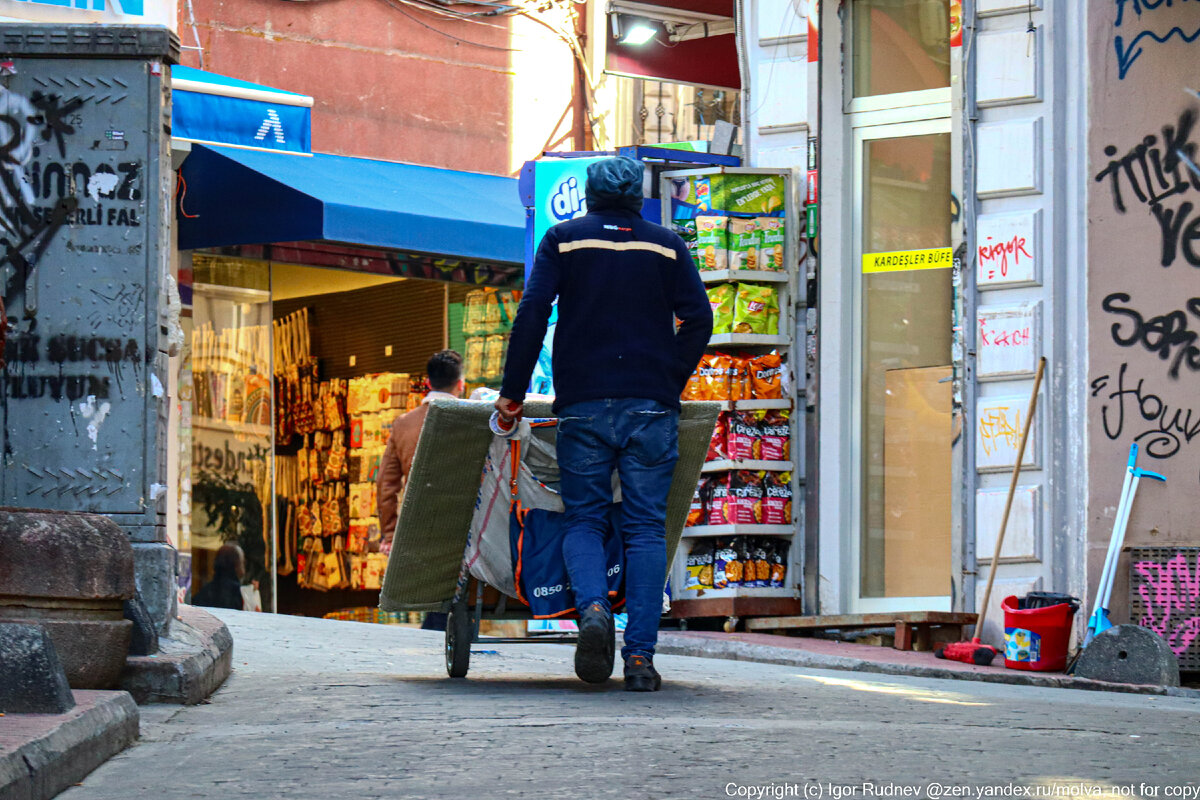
[865, 127]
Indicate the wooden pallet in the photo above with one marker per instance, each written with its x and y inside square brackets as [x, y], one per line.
[914, 629]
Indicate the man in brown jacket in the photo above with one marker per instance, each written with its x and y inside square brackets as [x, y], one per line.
[444, 371]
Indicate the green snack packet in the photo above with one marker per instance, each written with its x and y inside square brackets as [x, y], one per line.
[686, 228]
[771, 249]
[745, 240]
[722, 298]
[712, 242]
[756, 310]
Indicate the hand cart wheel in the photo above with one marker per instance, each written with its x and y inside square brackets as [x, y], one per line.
[459, 633]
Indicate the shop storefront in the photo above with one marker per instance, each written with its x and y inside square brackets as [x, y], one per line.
[318, 286]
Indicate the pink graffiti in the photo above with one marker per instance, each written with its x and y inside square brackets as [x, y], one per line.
[1168, 592]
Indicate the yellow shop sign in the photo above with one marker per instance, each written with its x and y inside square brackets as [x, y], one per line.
[903, 260]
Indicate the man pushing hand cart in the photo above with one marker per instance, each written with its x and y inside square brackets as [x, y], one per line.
[625, 453]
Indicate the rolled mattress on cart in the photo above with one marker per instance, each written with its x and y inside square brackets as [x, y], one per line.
[443, 484]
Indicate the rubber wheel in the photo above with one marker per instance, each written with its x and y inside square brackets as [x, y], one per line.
[730, 625]
[459, 633]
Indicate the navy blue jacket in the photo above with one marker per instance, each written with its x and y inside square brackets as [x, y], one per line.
[621, 283]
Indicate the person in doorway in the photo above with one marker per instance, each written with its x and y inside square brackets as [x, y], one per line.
[225, 588]
[620, 363]
[445, 375]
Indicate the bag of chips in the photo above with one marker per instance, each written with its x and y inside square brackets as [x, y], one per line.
[766, 377]
[739, 378]
[686, 228]
[774, 234]
[695, 389]
[775, 428]
[700, 566]
[756, 309]
[719, 510]
[698, 510]
[745, 497]
[779, 563]
[745, 548]
[712, 242]
[717, 447]
[722, 298]
[777, 498]
[745, 239]
[715, 377]
[743, 439]
[727, 570]
[762, 565]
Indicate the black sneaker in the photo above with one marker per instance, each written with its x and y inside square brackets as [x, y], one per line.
[597, 644]
[640, 675]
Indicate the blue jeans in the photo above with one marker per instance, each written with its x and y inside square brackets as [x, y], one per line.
[639, 439]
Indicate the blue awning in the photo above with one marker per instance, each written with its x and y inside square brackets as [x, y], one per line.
[215, 109]
[231, 196]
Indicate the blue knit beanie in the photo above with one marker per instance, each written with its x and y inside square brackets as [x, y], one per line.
[615, 182]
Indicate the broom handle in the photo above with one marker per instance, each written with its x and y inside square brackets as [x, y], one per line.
[1012, 488]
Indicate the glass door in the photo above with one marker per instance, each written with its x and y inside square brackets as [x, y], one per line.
[901, 556]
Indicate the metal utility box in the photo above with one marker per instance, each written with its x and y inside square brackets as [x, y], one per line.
[85, 197]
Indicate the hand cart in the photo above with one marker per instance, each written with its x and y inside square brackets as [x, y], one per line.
[427, 569]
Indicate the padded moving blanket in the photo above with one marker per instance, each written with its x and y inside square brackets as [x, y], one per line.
[443, 485]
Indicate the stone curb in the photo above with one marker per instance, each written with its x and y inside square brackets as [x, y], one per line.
[43, 754]
[684, 645]
[193, 660]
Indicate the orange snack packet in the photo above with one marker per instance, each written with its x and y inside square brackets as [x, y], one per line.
[715, 377]
[739, 378]
[695, 388]
[766, 377]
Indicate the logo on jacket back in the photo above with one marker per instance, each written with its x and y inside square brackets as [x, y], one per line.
[567, 202]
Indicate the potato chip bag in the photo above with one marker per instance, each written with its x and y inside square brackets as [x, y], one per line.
[712, 242]
[717, 448]
[756, 310]
[716, 377]
[766, 377]
[718, 500]
[698, 509]
[739, 378]
[773, 236]
[744, 440]
[686, 228]
[727, 570]
[745, 497]
[695, 388]
[777, 498]
[775, 428]
[779, 563]
[759, 559]
[722, 298]
[700, 566]
[745, 240]
[745, 548]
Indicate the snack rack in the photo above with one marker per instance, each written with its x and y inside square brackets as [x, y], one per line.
[734, 602]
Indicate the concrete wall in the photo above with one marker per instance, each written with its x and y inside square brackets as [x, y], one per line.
[397, 83]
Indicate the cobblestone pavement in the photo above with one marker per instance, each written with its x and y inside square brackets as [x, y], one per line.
[321, 709]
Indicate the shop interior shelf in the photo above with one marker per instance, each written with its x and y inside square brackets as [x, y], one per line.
[755, 275]
[737, 591]
[227, 426]
[724, 465]
[753, 405]
[748, 340]
[698, 531]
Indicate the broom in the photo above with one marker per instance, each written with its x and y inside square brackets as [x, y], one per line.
[974, 651]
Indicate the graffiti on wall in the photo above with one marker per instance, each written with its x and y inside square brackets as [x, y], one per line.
[1145, 29]
[53, 189]
[1168, 591]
